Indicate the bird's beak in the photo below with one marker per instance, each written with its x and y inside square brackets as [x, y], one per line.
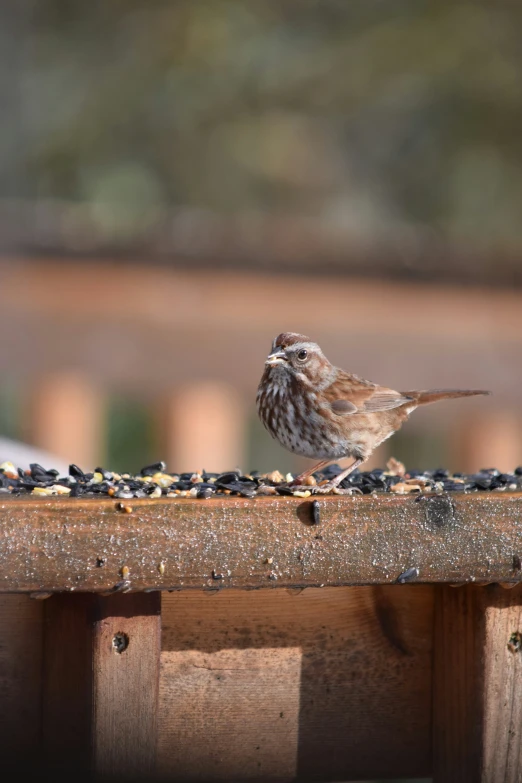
[276, 358]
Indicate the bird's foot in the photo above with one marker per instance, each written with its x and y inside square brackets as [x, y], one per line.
[333, 489]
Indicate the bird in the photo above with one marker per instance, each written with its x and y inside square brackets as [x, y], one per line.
[319, 411]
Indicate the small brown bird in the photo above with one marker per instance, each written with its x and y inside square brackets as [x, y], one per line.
[319, 411]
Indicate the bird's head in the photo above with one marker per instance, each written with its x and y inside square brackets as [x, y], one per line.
[296, 355]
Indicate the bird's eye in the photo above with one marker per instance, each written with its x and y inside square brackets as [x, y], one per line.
[302, 355]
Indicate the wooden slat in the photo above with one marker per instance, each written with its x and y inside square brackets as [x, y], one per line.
[201, 424]
[65, 417]
[477, 685]
[331, 684]
[101, 679]
[126, 663]
[21, 633]
[87, 545]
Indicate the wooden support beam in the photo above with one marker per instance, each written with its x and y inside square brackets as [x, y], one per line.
[477, 686]
[89, 545]
[65, 417]
[20, 684]
[202, 426]
[297, 685]
[101, 681]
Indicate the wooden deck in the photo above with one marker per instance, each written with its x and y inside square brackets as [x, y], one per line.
[160, 657]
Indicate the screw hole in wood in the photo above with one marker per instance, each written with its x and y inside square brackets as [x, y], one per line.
[120, 642]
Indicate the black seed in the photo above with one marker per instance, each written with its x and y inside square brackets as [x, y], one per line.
[205, 492]
[408, 575]
[316, 512]
[227, 478]
[453, 486]
[156, 467]
[149, 488]
[482, 482]
[29, 483]
[41, 474]
[76, 472]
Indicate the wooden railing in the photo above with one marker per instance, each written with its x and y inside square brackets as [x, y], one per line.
[157, 655]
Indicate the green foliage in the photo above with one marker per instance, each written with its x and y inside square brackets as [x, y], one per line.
[129, 435]
[367, 114]
[9, 411]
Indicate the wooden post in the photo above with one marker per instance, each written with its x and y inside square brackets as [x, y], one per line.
[101, 682]
[66, 418]
[477, 685]
[487, 441]
[202, 425]
[20, 672]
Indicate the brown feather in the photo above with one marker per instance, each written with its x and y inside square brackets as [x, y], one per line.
[434, 395]
[319, 411]
[365, 397]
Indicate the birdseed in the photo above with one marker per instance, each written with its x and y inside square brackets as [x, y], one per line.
[153, 481]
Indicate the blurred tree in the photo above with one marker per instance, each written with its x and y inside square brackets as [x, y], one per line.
[366, 114]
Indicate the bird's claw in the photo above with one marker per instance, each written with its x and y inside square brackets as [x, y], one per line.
[327, 489]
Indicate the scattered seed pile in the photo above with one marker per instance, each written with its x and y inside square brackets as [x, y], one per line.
[153, 482]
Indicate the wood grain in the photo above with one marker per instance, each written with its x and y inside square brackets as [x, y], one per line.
[125, 686]
[100, 696]
[288, 685]
[86, 545]
[477, 685]
[21, 634]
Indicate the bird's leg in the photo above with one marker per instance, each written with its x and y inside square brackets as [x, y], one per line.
[325, 488]
[302, 476]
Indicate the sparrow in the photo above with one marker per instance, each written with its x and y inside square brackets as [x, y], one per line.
[319, 411]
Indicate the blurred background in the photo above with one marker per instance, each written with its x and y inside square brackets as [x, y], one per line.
[180, 181]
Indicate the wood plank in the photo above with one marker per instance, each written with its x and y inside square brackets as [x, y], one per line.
[126, 664]
[101, 683]
[86, 545]
[478, 685]
[67, 682]
[225, 312]
[21, 635]
[288, 685]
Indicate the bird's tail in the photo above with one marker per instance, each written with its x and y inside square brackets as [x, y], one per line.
[434, 395]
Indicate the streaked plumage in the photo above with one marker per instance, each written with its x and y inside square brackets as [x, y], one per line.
[319, 411]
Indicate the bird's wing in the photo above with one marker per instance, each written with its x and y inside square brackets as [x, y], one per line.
[350, 395]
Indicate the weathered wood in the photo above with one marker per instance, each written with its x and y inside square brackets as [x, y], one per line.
[101, 680]
[21, 625]
[294, 685]
[87, 545]
[478, 685]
